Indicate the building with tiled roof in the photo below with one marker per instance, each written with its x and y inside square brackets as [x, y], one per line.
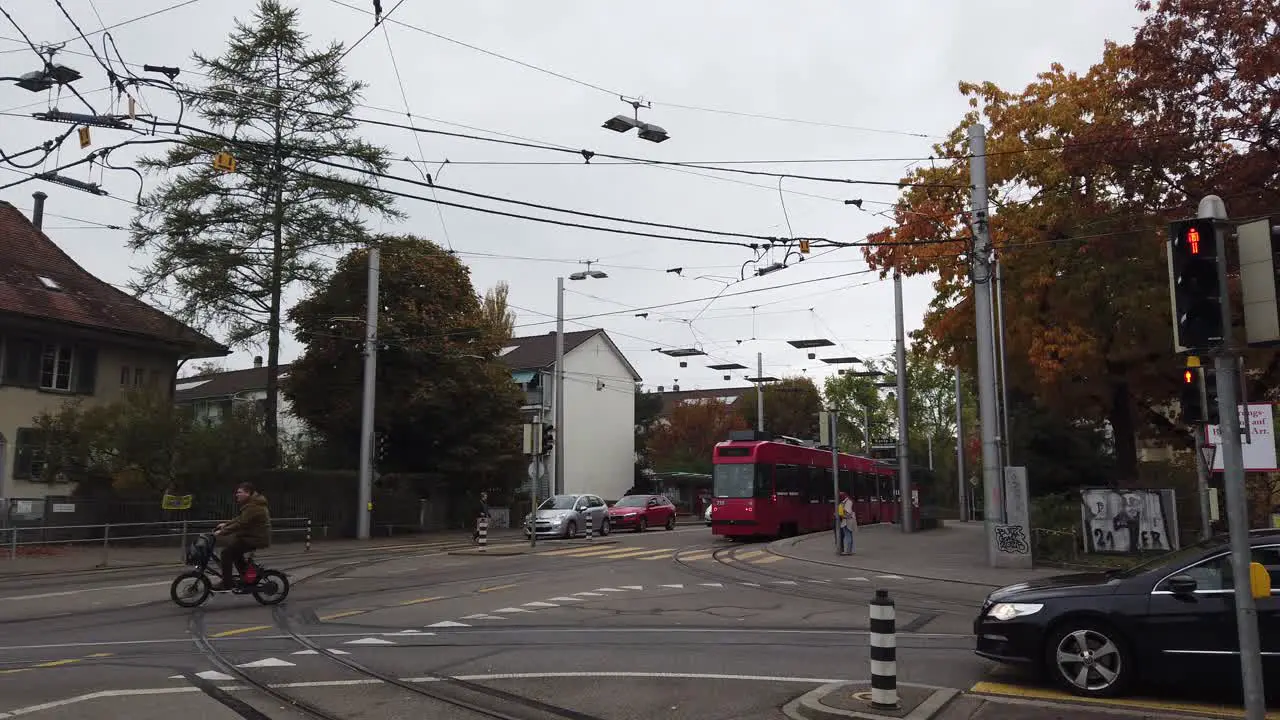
[66, 334]
[599, 408]
[214, 395]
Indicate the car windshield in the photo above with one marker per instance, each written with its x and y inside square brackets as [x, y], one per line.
[1176, 558]
[558, 502]
[632, 501]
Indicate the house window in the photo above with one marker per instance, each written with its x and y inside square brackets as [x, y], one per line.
[55, 367]
[29, 454]
[124, 376]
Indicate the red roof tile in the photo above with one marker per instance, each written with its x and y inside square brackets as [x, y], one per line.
[73, 295]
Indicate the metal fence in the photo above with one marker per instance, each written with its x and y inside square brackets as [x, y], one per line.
[136, 535]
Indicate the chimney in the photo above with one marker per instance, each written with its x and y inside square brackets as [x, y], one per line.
[675, 388]
[257, 361]
[37, 212]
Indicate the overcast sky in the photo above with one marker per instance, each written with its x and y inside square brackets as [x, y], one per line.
[873, 80]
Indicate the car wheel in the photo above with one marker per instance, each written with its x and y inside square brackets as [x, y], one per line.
[1089, 659]
[604, 527]
[571, 530]
[671, 522]
[642, 525]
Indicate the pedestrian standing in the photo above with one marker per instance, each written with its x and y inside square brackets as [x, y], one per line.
[848, 523]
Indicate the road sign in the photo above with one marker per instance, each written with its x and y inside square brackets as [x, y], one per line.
[224, 162]
[1208, 453]
[84, 137]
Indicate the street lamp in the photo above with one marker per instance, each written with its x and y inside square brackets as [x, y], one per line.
[646, 131]
[558, 450]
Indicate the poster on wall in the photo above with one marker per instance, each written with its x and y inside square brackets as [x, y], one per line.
[1258, 445]
[1128, 521]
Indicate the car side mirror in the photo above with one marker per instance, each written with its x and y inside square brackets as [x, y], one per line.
[1259, 581]
[1182, 584]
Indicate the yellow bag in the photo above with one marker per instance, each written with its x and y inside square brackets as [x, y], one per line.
[840, 510]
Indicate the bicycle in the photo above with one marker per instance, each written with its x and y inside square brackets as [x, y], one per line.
[268, 587]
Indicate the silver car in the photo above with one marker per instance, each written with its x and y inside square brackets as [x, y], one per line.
[567, 516]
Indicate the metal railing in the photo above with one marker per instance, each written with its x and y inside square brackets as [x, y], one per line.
[104, 534]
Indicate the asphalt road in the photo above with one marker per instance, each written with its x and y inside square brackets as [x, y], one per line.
[672, 624]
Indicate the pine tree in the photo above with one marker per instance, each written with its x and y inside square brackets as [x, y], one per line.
[230, 244]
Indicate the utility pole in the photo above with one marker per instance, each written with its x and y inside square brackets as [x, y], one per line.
[1202, 483]
[835, 474]
[904, 449]
[760, 392]
[960, 494]
[866, 430]
[993, 495]
[1255, 708]
[1004, 379]
[366, 410]
[558, 485]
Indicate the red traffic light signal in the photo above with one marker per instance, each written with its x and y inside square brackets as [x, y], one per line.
[1188, 377]
[1193, 241]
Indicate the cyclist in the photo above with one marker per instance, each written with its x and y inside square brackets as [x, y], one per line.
[251, 530]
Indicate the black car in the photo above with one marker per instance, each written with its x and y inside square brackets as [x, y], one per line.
[1094, 633]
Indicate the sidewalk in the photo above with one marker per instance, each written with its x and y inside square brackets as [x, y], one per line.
[68, 559]
[954, 553]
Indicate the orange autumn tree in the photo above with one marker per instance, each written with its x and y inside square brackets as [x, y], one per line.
[1084, 170]
[683, 442]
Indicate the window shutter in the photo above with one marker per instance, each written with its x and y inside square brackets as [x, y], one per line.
[21, 363]
[86, 369]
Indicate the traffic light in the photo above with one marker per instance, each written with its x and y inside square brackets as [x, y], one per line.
[380, 446]
[1195, 294]
[1191, 397]
[548, 438]
[1199, 396]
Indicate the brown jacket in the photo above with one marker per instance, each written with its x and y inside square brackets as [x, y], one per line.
[253, 524]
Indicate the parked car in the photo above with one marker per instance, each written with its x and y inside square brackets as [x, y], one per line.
[640, 512]
[567, 516]
[707, 514]
[1174, 615]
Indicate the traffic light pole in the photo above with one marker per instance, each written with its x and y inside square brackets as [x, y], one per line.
[1233, 481]
[366, 411]
[1202, 482]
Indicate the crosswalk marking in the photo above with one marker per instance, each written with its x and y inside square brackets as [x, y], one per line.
[700, 555]
[766, 560]
[665, 555]
[574, 550]
[748, 554]
[617, 554]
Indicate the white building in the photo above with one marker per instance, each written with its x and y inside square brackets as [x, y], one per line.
[213, 395]
[598, 436]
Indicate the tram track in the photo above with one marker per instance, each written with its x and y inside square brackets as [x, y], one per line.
[480, 700]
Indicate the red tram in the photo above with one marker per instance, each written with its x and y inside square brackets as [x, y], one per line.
[778, 487]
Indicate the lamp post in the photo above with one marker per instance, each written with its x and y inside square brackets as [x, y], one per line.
[558, 450]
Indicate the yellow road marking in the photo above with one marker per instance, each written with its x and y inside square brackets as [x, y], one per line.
[665, 554]
[56, 663]
[616, 554]
[700, 555]
[568, 551]
[767, 560]
[748, 554]
[596, 552]
[15, 670]
[1217, 711]
[345, 613]
[240, 631]
[497, 587]
[100, 655]
[421, 600]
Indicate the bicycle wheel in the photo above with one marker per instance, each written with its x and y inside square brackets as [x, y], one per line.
[272, 587]
[190, 589]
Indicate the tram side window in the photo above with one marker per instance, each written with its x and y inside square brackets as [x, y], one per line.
[866, 486]
[817, 487]
[788, 479]
[849, 484]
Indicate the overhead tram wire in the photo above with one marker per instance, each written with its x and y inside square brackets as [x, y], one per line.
[48, 65]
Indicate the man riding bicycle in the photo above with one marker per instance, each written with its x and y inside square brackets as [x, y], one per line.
[251, 530]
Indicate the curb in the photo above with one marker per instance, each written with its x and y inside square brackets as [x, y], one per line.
[810, 707]
[795, 541]
[509, 551]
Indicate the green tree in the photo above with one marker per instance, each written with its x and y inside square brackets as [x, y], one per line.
[447, 407]
[648, 411]
[791, 407]
[144, 444]
[860, 404]
[231, 244]
[497, 313]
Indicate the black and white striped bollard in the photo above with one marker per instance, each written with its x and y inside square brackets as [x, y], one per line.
[591, 528]
[308, 537]
[484, 531]
[884, 652]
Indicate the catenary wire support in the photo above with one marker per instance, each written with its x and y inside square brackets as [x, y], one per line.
[884, 652]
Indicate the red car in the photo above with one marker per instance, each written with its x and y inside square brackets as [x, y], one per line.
[643, 511]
